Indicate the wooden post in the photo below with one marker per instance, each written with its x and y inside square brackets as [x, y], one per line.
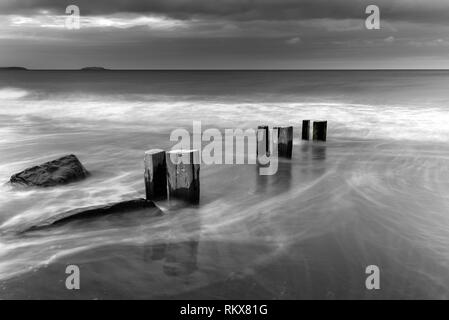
[305, 129]
[319, 130]
[263, 141]
[183, 175]
[285, 141]
[155, 175]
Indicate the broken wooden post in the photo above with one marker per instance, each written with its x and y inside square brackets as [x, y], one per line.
[155, 175]
[263, 141]
[183, 175]
[319, 130]
[305, 129]
[285, 141]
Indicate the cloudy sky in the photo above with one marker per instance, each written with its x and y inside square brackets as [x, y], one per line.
[229, 34]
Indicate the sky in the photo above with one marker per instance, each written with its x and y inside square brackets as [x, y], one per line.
[225, 34]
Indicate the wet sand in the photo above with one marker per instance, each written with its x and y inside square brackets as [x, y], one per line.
[307, 232]
[377, 192]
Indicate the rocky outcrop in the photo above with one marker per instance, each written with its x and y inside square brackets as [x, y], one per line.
[95, 212]
[57, 172]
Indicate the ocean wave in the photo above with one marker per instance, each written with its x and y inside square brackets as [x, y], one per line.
[346, 120]
[12, 93]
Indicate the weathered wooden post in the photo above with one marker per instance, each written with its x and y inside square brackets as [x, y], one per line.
[263, 141]
[319, 130]
[305, 129]
[183, 175]
[155, 175]
[285, 141]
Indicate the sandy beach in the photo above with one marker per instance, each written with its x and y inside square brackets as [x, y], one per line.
[375, 193]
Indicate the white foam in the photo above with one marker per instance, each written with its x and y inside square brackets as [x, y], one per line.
[12, 93]
[153, 113]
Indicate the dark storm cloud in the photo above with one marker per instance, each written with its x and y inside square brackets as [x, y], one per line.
[403, 10]
[225, 34]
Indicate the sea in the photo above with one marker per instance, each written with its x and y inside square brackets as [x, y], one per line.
[376, 193]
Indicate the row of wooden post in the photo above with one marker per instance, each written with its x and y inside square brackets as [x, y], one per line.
[285, 137]
[319, 132]
[174, 175]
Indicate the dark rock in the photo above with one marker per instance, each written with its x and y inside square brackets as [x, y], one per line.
[94, 212]
[57, 172]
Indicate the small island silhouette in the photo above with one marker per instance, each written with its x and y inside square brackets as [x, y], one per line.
[94, 69]
[14, 68]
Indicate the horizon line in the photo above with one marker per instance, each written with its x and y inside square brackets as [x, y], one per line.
[223, 69]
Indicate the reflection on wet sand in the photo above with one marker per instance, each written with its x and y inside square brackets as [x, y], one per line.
[319, 151]
[179, 257]
[155, 252]
[278, 183]
[313, 151]
[312, 157]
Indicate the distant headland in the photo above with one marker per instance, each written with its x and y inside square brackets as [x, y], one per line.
[82, 69]
[94, 69]
[14, 68]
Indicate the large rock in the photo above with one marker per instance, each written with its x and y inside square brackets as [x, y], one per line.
[95, 212]
[57, 172]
